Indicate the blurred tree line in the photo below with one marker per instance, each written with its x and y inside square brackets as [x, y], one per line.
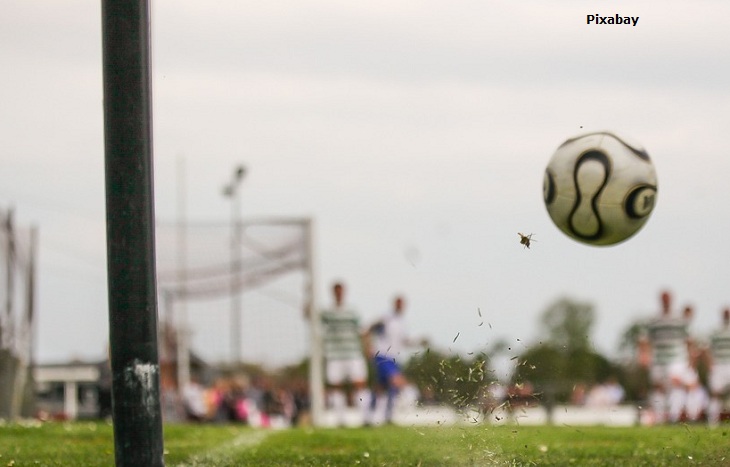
[553, 367]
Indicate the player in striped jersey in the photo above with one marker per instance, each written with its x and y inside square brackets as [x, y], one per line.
[696, 396]
[344, 357]
[668, 357]
[719, 378]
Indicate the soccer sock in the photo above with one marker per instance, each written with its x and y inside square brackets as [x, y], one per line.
[338, 402]
[677, 398]
[362, 398]
[713, 411]
[373, 400]
[658, 405]
[392, 394]
[696, 400]
[372, 403]
[363, 402]
[379, 409]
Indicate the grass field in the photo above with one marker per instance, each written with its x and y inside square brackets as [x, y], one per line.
[91, 444]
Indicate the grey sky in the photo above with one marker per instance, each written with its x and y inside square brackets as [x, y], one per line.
[415, 133]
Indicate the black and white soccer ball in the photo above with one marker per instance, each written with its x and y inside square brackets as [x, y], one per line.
[600, 188]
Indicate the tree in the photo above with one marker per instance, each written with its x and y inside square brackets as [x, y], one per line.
[565, 358]
[568, 324]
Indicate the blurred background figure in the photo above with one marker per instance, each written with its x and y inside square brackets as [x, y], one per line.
[719, 377]
[386, 340]
[608, 393]
[194, 400]
[665, 351]
[696, 397]
[346, 366]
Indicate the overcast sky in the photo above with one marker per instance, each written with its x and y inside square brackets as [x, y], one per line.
[414, 133]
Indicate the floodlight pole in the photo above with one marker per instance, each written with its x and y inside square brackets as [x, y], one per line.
[233, 191]
[182, 348]
[130, 233]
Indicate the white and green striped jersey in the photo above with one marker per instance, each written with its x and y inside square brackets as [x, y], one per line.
[668, 337]
[341, 335]
[720, 346]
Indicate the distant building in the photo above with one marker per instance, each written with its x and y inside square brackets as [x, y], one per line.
[82, 389]
[68, 390]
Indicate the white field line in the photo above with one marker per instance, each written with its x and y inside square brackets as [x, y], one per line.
[225, 454]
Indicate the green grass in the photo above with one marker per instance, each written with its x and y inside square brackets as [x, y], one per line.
[91, 444]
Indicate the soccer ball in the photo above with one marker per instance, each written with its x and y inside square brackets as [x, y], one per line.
[600, 188]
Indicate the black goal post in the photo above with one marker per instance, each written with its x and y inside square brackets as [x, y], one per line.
[130, 233]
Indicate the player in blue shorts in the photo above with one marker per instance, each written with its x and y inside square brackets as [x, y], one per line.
[387, 338]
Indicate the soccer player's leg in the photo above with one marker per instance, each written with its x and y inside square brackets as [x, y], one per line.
[677, 396]
[658, 393]
[719, 382]
[336, 398]
[359, 377]
[389, 375]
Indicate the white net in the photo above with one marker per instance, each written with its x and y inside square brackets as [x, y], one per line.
[241, 289]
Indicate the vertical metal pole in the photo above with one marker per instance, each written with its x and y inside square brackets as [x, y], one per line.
[130, 233]
[9, 277]
[236, 276]
[181, 311]
[19, 403]
[234, 191]
[28, 404]
[316, 356]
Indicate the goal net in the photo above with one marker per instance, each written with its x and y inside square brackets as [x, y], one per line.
[237, 294]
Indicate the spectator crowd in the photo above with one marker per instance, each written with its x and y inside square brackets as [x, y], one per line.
[257, 401]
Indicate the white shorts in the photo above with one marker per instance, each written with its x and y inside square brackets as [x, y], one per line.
[691, 377]
[719, 378]
[662, 375]
[354, 370]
